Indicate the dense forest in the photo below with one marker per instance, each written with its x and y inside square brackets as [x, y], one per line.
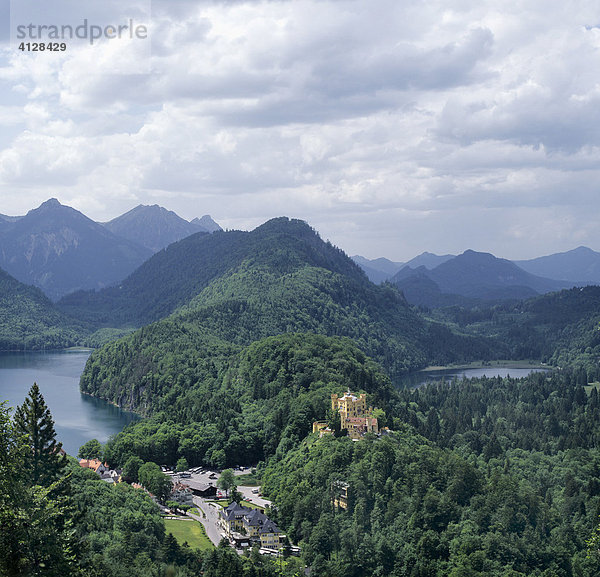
[231, 344]
[69, 522]
[29, 320]
[562, 328]
[259, 401]
[293, 282]
[175, 275]
[488, 477]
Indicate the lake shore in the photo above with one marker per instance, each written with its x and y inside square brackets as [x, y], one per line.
[522, 364]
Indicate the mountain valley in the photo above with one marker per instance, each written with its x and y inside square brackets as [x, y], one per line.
[230, 344]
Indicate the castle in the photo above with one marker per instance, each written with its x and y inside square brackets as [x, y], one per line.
[354, 416]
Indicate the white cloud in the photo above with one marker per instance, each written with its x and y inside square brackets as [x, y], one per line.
[392, 127]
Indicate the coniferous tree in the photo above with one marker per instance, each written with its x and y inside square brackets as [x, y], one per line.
[36, 536]
[43, 462]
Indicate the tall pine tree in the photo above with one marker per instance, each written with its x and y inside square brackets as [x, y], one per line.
[36, 522]
[43, 461]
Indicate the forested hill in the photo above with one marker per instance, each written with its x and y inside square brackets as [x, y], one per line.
[561, 328]
[280, 278]
[227, 405]
[175, 275]
[29, 321]
[503, 480]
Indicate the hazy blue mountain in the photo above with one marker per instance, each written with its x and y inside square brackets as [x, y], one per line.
[8, 219]
[207, 223]
[382, 269]
[474, 275]
[580, 265]
[429, 260]
[156, 227]
[59, 250]
[378, 269]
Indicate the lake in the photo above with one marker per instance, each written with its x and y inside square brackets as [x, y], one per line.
[77, 417]
[423, 377]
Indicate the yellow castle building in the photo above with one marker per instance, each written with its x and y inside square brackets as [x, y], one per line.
[355, 417]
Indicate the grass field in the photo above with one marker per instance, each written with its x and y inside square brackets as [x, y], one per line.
[190, 531]
[247, 480]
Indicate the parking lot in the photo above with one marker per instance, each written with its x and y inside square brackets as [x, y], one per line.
[207, 477]
[210, 477]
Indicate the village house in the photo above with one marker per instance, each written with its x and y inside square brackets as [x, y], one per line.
[181, 494]
[251, 525]
[198, 489]
[111, 476]
[94, 464]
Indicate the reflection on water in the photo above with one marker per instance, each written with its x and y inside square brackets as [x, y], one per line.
[421, 378]
[77, 417]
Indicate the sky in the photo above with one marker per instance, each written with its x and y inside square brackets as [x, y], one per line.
[391, 127]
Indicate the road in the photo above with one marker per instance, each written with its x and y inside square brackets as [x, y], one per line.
[209, 512]
[209, 519]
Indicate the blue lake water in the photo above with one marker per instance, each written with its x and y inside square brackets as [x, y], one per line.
[77, 417]
[423, 377]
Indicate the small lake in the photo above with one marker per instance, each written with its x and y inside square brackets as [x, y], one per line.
[421, 378]
[77, 417]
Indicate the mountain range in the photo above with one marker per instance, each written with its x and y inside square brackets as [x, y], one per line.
[471, 277]
[579, 266]
[60, 250]
[474, 277]
[381, 269]
[156, 227]
[210, 293]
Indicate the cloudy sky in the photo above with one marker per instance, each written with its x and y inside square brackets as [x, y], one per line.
[391, 127]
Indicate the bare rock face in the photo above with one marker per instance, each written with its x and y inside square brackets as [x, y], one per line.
[60, 250]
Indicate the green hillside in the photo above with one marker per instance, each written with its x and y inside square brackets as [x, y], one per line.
[29, 321]
[172, 277]
[503, 481]
[237, 406]
[560, 328]
[283, 278]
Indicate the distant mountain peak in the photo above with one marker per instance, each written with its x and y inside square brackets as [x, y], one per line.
[50, 204]
[287, 225]
[154, 226]
[207, 223]
[580, 265]
[475, 253]
[60, 250]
